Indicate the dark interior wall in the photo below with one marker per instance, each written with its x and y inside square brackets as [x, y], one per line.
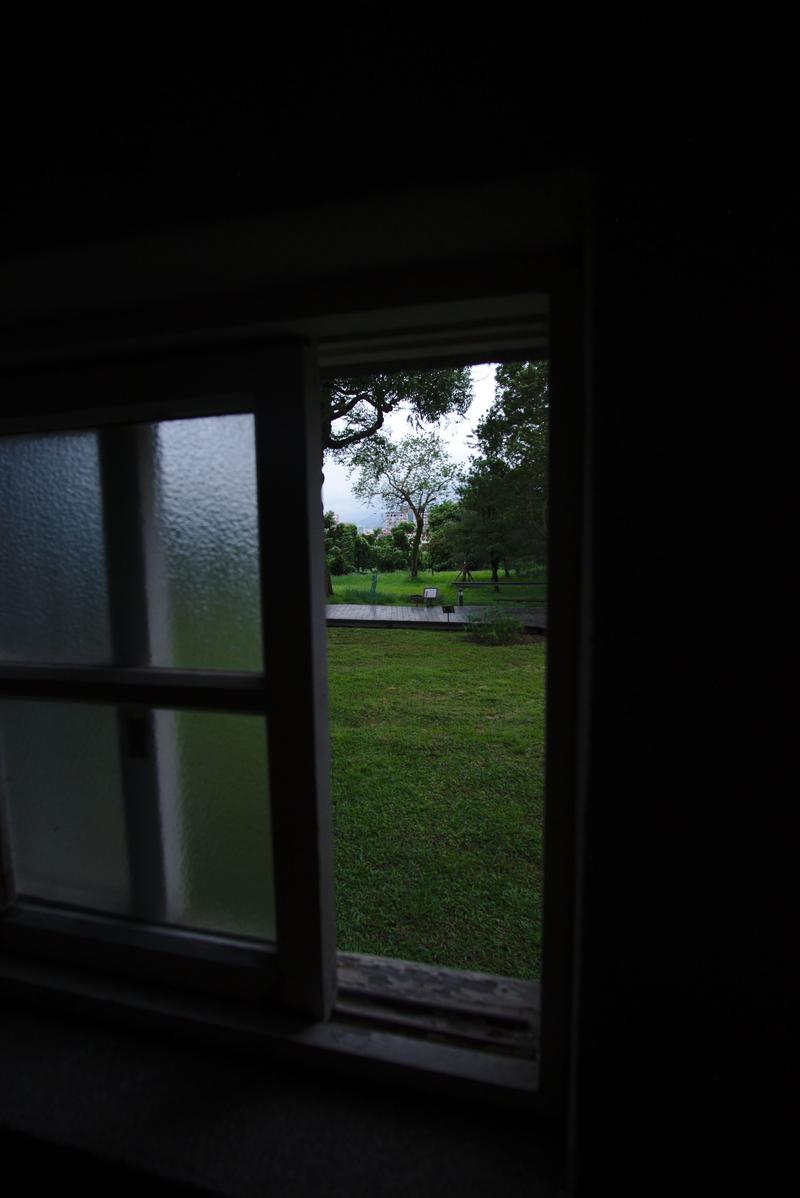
[641, 986]
[127, 147]
[683, 993]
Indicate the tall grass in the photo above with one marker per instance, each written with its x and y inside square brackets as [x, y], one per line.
[398, 586]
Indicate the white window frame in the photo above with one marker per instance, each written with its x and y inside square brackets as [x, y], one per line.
[274, 385]
[294, 983]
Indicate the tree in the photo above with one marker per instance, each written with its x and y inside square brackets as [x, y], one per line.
[388, 557]
[489, 529]
[440, 515]
[514, 430]
[402, 535]
[340, 545]
[365, 554]
[504, 497]
[415, 471]
[354, 409]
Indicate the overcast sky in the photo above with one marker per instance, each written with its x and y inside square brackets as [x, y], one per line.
[337, 495]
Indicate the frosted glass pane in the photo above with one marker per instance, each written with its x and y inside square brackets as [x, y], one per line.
[204, 545]
[59, 771]
[53, 600]
[215, 820]
[62, 788]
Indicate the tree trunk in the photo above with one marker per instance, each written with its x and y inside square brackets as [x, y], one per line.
[506, 571]
[495, 564]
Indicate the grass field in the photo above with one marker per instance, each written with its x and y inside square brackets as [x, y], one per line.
[396, 587]
[438, 755]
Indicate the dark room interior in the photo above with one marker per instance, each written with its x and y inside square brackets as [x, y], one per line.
[198, 220]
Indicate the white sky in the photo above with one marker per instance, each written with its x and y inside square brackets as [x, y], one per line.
[337, 495]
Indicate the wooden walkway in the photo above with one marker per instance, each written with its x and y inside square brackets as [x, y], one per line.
[366, 615]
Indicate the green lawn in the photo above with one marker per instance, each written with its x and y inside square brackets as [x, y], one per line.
[438, 753]
[396, 588]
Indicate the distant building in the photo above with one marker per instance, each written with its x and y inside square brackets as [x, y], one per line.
[403, 515]
[398, 515]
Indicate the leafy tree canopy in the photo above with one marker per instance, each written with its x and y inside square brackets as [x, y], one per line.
[441, 514]
[440, 517]
[514, 430]
[340, 545]
[504, 497]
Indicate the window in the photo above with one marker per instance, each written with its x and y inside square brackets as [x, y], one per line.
[127, 694]
[117, 701]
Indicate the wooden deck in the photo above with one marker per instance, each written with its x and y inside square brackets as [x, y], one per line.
[366, 615]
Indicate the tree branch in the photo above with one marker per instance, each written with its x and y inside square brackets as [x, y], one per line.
[338, 410]
[359, 435]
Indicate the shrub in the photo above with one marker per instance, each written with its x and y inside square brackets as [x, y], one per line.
[494, 626]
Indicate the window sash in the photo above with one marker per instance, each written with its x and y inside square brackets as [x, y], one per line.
[277, 385]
